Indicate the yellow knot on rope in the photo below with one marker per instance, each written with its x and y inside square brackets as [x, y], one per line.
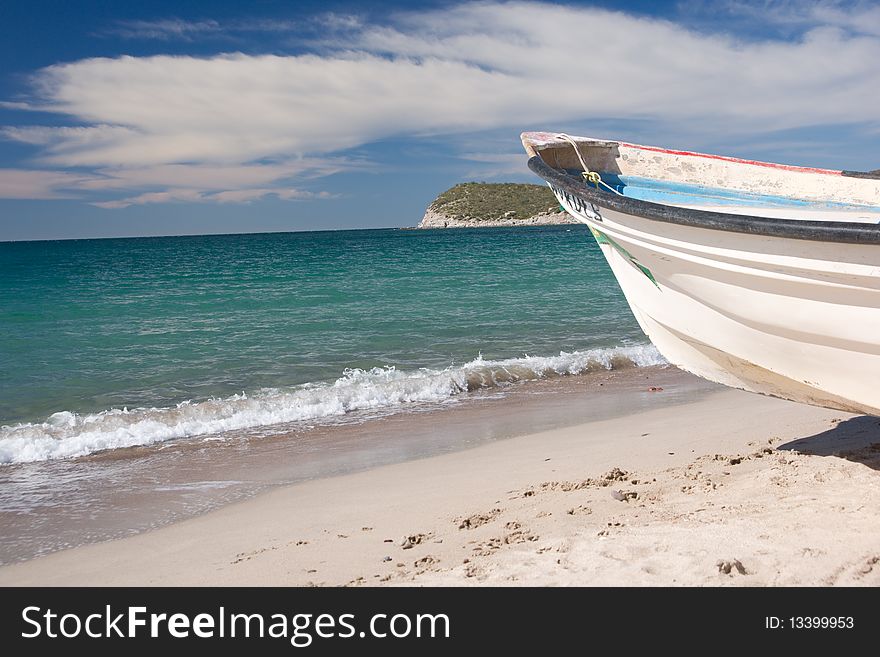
[593, 177]
[589, 176]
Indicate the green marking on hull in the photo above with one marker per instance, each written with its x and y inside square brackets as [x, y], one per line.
[602, 238]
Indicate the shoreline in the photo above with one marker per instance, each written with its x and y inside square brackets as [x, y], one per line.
[727, 489]
[122, 492]
[433, 219]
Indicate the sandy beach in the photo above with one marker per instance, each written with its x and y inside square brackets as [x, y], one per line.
[729, 489]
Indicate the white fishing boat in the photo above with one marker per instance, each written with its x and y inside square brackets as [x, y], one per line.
[760, 276]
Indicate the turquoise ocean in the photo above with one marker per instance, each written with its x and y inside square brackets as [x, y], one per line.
[114, 343]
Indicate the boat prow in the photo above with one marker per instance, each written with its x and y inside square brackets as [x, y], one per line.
[760, 276]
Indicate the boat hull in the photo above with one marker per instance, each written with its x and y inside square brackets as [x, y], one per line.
[792, 318]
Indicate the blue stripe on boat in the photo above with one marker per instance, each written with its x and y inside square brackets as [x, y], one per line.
[675, 193]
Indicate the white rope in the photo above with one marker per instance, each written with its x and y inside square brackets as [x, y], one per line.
[589, 176]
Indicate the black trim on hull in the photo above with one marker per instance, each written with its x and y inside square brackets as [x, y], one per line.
[819, 231]
[875, 174]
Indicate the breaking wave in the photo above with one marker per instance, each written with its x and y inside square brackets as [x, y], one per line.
[66, 434]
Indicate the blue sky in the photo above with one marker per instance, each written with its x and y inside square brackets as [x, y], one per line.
[159, 118]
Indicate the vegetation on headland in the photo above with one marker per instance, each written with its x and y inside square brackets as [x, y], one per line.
[474, 203]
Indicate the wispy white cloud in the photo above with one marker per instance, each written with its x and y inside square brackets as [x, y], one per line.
[176, 29]
[151, 121]
[214, 177]
[852, 16]
[33, 184]
[171, 196]
[493, 165]
[339, 22]
[248, 195]
[165, 29]
[174, 182]
[200, 196]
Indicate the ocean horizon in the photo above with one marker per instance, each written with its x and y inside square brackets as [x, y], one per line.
[201, 234]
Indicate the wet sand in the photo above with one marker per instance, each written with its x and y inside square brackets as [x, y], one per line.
[705, 486]
[45, 507]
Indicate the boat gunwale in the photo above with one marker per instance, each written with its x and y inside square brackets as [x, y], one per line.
[820, 231]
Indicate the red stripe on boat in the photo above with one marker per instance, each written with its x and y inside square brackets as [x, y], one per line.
[771, 165]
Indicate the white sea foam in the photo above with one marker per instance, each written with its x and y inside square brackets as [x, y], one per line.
[65, 434]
